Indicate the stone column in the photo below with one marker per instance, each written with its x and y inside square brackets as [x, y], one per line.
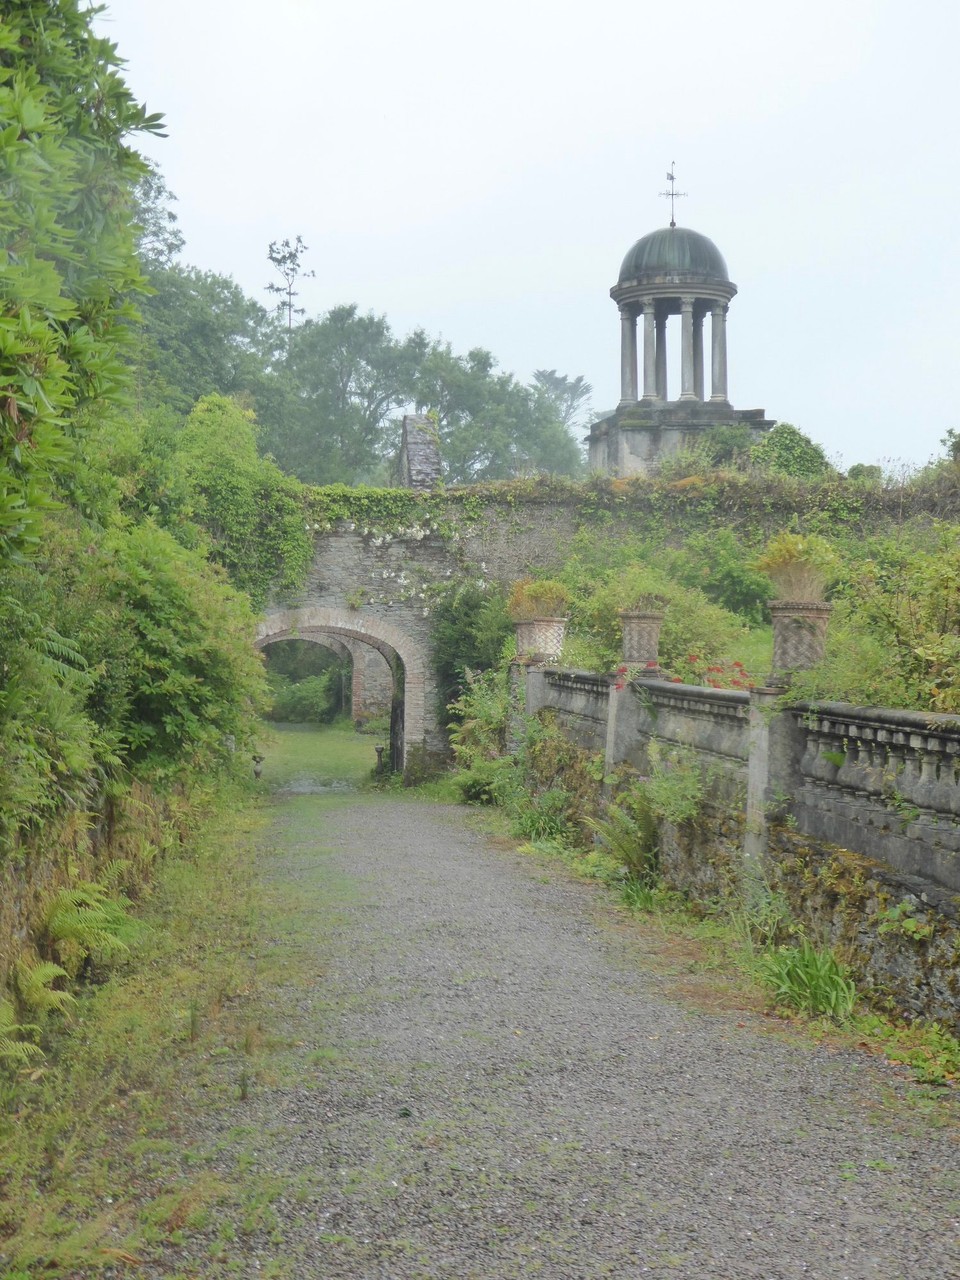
[686, 350]
[698, 354]
[719, 352]
[661, 332]
[649, 351]
[628, 355]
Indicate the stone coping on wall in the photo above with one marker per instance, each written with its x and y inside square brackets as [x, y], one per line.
[918, 722]
[575, 679]
[734, 703]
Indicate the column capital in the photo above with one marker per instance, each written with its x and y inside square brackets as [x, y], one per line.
[686, 303]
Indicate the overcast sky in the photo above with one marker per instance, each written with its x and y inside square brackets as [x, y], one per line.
[480, 171]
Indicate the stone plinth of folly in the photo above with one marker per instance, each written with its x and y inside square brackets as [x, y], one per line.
[799, 636]
[540, 639]
[641, 638]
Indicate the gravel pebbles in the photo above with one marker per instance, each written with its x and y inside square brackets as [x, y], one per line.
[483, 1081]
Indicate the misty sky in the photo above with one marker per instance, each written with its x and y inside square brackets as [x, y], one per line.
[481, 170]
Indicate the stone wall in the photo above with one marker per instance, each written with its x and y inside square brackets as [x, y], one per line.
[854, 813]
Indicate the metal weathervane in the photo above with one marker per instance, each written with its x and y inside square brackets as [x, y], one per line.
[673, 194]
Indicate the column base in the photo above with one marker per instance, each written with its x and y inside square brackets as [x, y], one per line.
[690, 395]
[719, 400]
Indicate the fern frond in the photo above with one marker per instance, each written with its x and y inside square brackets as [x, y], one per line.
[86, 916]
[33, 984]
[14, 1050]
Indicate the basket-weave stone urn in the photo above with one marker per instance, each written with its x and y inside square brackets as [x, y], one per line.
[641, 638]
[799, 636]
[540, 639]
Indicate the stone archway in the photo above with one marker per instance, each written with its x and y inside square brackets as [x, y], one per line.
[415, 734]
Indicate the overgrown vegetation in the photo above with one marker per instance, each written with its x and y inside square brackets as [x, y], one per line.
[127, 675]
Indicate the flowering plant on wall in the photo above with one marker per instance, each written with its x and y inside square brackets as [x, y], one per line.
[691, 669]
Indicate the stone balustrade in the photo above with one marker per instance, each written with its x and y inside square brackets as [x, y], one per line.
[885, 782]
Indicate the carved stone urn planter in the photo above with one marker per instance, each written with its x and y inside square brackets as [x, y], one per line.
[799, 636]
[641, 638]
[540, 639]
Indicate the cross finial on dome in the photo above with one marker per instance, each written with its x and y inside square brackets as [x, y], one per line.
[673, 194]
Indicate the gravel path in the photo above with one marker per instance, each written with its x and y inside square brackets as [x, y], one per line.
[484, 1082]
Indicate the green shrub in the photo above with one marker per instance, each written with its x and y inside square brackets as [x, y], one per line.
[691, 624]
[312, 700]
[787, 451]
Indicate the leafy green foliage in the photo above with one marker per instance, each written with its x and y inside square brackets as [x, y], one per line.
[312, 700]
[34, 989]
[200, 335]
[673, 790]
[692, 625]
[251, 515]
[631, 839]
[807, 979]
[470, 628]
[329, 412]
[83, 920]
[718, 564]
[16, 1046]
[67, 261]
[189, 678]
[787, 450]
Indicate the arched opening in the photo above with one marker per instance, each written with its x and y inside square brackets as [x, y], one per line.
[310, 680]
[410, 731]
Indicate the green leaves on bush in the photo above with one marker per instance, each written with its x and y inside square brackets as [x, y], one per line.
[250, 516]
[312, 700]
[67, 260]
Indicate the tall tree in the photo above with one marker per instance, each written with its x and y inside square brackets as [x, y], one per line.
[491, 427]
[285, 256]
[159, 238]
[569, 397]
[329, 415]
[200, 334]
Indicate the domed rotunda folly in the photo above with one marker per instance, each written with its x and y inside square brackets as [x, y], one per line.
[670, 272]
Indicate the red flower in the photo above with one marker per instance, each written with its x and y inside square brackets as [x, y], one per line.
[677, 679]
[714, 669]
[649, 664]
[693, 657]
